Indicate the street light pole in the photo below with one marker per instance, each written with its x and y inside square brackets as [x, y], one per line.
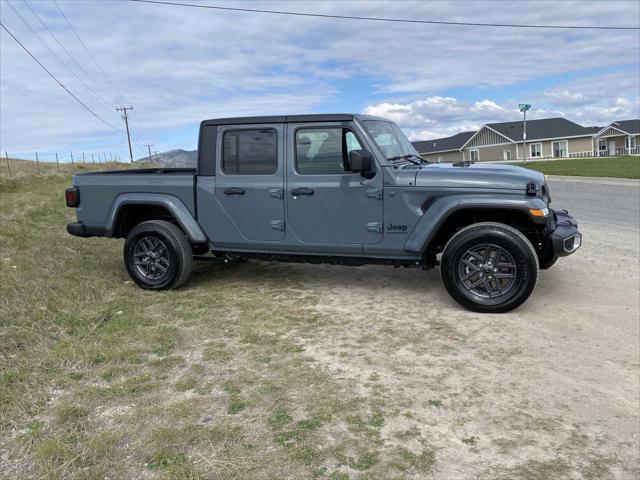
[524, 138]
[523, 108]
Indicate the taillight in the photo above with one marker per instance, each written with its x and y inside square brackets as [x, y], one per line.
[72, 196]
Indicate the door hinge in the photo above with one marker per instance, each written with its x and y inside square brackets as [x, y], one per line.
[374, 193]
[375, 227]
[277, 224]
[276, 193]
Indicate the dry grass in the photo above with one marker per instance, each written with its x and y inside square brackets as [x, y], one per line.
[101, 379]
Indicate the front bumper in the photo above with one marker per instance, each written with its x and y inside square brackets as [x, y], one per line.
[564, 236]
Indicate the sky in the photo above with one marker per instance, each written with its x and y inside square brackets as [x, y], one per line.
[177, 66]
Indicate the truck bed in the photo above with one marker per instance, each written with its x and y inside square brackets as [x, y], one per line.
[101, 193]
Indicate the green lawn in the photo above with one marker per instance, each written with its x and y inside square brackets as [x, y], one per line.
[618, 167]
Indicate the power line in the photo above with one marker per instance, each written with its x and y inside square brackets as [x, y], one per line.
[89, 53]
[383, 19]
[55, 55]
[107, 78]
[58, 81]
[119, 94]
[73, 59]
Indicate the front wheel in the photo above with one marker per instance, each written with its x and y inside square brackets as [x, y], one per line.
[489, 267]
[158, 255]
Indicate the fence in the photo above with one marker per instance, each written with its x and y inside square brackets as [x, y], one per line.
[60, 159]
[607, 153]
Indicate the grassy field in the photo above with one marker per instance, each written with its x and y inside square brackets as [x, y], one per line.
[100, 379]
[616, 167]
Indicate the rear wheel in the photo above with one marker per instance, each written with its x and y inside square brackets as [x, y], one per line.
[158, 255]
[489, 267]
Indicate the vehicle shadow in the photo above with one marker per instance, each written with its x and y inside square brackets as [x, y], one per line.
[407, 280]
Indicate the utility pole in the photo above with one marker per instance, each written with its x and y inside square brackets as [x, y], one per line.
[37, 163]
[156, 154]
[71, 153]
[126, 123]
[149, 148]
[523, 108]
[57, 162]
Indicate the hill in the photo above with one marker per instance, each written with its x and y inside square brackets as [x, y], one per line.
[173, 158]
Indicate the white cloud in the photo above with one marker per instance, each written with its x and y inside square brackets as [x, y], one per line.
[437, 117]
[179, 65]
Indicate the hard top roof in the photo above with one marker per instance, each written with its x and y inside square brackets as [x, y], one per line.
[314, 117]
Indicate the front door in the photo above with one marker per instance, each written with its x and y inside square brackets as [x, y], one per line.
[249, 183]
[326, 203]
[612, 147]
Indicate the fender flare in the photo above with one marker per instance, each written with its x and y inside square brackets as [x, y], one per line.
[441, 209]
[172, 203]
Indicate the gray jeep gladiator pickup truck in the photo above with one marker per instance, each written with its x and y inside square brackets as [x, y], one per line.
[341, 189]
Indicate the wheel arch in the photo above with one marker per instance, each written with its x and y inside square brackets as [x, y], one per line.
[129, 209]
[448, 214]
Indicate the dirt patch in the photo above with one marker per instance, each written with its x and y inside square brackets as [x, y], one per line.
[549, 390]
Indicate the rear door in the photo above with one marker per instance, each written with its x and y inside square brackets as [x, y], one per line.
[250, 182]
[327, 205]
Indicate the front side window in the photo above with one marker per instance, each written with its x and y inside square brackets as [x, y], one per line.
[475, 155]
[324, 150]
[389, 138]
[250, 152]
[536, 150]
[560, 149]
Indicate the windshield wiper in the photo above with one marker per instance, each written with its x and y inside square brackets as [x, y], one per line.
[421, 160]
[409, 157]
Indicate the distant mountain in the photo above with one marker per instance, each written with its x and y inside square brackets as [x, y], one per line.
[173, 158]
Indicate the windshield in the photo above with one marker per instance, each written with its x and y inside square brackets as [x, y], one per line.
[389, 138]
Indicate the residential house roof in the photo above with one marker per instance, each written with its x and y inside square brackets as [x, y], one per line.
[446, 144]
[629, 126]
[541, 129]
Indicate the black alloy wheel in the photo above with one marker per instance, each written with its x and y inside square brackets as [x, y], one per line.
[489, 267]
[158, 255]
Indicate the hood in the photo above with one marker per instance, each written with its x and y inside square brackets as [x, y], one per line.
[477, 175]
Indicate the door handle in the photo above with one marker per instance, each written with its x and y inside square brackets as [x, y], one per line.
[233, 191]
[301, 191]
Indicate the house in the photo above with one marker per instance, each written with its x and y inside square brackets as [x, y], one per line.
[618, 138]
[447, 149]
[546, 138]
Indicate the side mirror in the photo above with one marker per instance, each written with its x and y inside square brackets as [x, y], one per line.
[361, 161]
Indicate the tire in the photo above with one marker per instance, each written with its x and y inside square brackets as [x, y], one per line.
[489, 267]
[158, 255]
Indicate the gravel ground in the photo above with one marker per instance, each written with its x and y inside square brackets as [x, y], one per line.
[550, 390]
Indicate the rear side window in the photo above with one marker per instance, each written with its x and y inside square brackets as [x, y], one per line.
[250, 152]
[324, 150]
